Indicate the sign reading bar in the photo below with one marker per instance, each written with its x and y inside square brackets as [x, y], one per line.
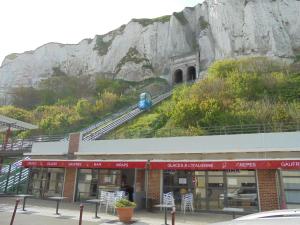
[226, 165]
[85, 164]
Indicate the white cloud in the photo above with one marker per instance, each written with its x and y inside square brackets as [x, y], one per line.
[25, 25]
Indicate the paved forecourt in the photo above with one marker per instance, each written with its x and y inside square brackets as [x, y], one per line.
[43, 212]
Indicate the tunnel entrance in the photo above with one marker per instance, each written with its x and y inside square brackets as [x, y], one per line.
[178, 76]
[191, 73]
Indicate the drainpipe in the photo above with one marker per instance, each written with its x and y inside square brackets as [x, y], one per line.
[257, 190]
[147, 182]
[281, 193]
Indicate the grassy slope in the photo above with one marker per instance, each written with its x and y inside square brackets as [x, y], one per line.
[235, 92]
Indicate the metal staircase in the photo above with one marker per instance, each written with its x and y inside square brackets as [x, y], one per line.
[96, 131]
[13, 176]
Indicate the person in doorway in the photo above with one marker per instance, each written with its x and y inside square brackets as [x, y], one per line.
[127, 188]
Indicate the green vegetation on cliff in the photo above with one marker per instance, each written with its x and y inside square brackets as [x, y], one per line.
[234, 93]
[146, 22]
[180, 17]
[103, 42]
[63, 104]
[133, 55]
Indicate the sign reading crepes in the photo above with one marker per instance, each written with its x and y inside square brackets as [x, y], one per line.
[85, 164]
[226, 165]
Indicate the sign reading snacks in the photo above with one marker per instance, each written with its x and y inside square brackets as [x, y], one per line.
[85, 164]
[225, 165]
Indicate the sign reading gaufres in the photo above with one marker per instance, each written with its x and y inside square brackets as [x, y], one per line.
[84, 164]
[226, 165]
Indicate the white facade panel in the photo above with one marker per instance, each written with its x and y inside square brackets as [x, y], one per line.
[262, 142]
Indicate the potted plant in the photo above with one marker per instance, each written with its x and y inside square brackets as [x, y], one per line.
[124, 209]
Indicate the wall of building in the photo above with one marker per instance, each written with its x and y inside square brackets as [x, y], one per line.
[69, 184]
[154, 184]
[268, 190]
[227, 144]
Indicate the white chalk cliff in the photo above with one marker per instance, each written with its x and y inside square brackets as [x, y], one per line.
[142, 48]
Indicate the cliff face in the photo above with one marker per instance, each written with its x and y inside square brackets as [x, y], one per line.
[142, 48]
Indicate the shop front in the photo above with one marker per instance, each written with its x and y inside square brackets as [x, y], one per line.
[214, 190]
[216, 185]
[254, 172]
[47, 178]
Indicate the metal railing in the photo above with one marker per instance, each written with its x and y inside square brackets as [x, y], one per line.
[26, 144]
[12, 176]
[212, 130]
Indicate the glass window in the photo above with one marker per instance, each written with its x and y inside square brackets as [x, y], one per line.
[179, 182]
[199, 173]
[109, 180]
[291, 184]
[85, 184]
[291, 173]
[56, 181]
[240, 173]
[46, 182]
[215, 173]
[241, 190]
[292, 197]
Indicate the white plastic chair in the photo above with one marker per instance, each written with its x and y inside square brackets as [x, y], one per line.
[111, 201]
[103, 198]
[119, 195]
[187, 202]
[168, 199]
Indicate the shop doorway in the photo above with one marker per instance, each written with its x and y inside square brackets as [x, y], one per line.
[127, 182]
[178, 182]
[215, 190]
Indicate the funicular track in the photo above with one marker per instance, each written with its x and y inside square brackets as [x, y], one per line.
[96, 131]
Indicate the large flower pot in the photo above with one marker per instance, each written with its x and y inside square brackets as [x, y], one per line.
[125, 214]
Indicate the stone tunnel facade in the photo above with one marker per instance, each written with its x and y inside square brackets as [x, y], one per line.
[184, 68]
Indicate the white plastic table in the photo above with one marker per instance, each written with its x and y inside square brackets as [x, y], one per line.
[57, 199]
[24, 200]
[165, 209]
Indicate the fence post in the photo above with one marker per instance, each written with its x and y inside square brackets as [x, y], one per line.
[80, 216]
[14, 213]
[173, 215]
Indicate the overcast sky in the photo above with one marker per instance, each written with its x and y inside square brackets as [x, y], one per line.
[28, 24]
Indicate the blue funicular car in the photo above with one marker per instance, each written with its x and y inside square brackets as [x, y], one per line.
[145, 101]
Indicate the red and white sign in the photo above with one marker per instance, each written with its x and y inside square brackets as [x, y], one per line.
[168, 165]
[85, 164]
[225, 165]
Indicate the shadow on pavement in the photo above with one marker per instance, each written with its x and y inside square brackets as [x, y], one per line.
[117, 222]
